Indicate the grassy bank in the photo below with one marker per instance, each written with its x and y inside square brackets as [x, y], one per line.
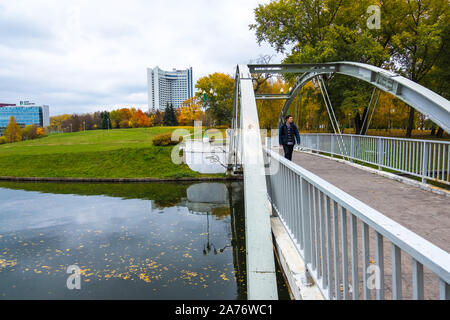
[124, 153]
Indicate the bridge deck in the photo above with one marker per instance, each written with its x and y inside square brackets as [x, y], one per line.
[421, 211]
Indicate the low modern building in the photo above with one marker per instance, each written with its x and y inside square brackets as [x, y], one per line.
[25, 113]
[173, 87]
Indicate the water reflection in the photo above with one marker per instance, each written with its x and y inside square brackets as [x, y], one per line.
[131, 241]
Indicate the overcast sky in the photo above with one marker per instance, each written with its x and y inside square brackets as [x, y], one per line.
[83, 56]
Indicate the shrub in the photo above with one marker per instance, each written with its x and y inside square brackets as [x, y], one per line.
[2, 140]
[165, 139]
[29, 132]
[40, 132]
[124, 124]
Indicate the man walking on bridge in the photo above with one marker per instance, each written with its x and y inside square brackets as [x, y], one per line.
[288, 135]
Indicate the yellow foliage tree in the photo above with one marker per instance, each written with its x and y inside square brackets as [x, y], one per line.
[13, 132]
[190, 111]
[269, 110]
[40, 132]
[57, 121]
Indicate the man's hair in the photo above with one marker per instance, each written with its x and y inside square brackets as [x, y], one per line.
[287, 117]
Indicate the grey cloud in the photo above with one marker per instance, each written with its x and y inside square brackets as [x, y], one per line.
[80, 56]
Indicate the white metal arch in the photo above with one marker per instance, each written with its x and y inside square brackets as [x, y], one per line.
[429, 103]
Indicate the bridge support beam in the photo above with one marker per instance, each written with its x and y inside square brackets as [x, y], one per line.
[429, 103]
[261, 277]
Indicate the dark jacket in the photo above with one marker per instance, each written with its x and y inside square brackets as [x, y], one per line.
[282, 135]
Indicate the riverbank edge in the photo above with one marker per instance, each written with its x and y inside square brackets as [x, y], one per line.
[121, 180]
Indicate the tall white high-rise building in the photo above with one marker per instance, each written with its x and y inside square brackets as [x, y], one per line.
[173, 87]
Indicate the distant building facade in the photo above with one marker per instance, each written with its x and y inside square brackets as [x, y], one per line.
[26, 113]
[173, 87]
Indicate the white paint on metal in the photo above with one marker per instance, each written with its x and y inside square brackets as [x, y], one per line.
[261, 277]
[423, 251]
[429, 103]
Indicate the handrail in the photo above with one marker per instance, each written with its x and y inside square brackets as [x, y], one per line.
[425, 159]
[384, 137]
[308, 210]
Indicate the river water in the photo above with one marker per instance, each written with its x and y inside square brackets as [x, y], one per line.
[128, 241]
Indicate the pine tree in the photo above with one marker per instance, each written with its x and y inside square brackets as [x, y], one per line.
[173, 115]
[166, 120]
[106, 120]
[170, 118]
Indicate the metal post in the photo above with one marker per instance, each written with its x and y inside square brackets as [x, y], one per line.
[332, 146]
[444, 290]
[318, 143]
[206, 127]
[352, 148]
[380, 153]
[425, 162]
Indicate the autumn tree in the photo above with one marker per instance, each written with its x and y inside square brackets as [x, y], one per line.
[29, 132]
[190, 111]
[115, 118]
[125, 116]
[220, 105]
[158, 118]
[144, 121]
[56, 122]
[40, 132]
[13, 132]
[269, 110]
[139, 119]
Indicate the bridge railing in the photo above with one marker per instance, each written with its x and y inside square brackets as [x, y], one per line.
[245, 152]
[425, 159]
[322, 221]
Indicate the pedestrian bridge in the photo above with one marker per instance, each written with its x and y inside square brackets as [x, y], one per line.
[358, 232]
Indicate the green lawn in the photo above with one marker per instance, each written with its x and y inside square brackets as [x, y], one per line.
[122, 153]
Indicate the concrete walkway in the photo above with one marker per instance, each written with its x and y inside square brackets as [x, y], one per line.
[423, 212]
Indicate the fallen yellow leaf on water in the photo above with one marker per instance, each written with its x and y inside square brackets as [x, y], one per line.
[224, 277]
[144, 277]
[7, 263]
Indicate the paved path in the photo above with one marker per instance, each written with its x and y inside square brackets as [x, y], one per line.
[423, 212]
